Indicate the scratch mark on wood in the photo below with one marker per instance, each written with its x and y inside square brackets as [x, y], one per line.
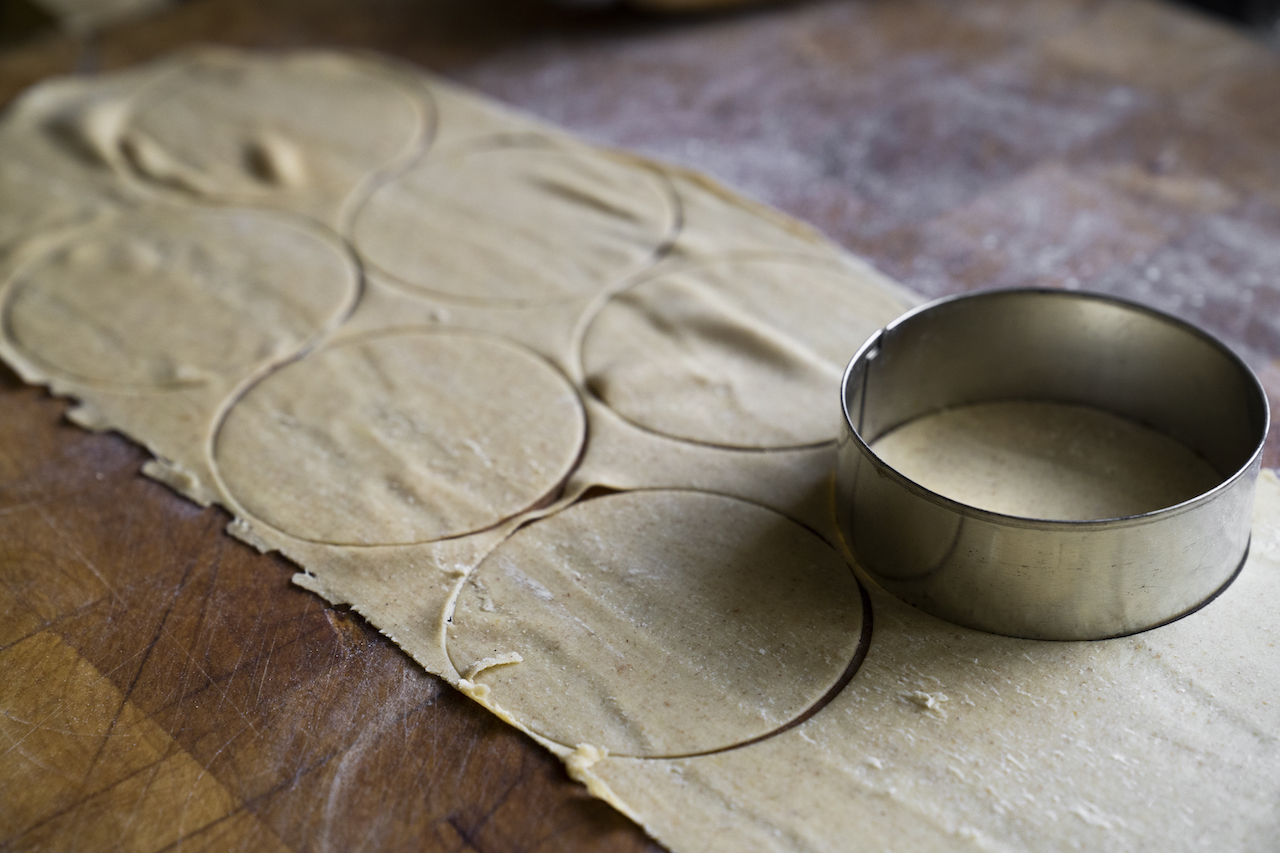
[69, 542]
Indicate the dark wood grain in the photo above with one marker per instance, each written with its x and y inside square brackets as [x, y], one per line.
[1126, 147]
[313, 723]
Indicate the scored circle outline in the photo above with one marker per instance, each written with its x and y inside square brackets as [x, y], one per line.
[170, 83]
[496, 354]
[535, 702]
[118, 226]
[656, 277]
[669, 218]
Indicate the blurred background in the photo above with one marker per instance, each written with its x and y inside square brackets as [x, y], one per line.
[20, 19]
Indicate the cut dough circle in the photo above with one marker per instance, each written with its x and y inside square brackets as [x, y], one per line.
[401, 437]
[737, 353]
[528, 223]
[217, 293]
[238, 127]
[659, 623]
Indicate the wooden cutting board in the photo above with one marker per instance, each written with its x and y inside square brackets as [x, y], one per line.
[163, 685]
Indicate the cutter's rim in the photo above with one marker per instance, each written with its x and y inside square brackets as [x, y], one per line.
[1078, 525]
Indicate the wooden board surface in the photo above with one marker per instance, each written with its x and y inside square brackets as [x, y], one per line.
[163, 685]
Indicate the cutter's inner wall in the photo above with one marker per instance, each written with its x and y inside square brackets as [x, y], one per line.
[1064, 348]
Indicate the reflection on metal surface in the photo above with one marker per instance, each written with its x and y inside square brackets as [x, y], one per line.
[1036, 578]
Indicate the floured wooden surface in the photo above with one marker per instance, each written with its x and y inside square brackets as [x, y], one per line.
[265, 416]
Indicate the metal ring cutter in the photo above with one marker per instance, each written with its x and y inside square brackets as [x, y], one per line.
[1035, 578]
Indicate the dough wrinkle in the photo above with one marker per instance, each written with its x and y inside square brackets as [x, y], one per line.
[491, 662]
[92, 132]
[577, 194]
[732, 353]
[152, 161]
[701, 313]
[275, 160]
[553, 223]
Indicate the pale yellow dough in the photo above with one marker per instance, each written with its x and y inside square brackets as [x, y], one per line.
[517, 221]
[1046, 460]
[740, 353]
[402, 437]
[217, 291]
[556, 420]
[657, 623]
[225, 127]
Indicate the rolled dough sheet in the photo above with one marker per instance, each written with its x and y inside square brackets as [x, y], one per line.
[559, 422]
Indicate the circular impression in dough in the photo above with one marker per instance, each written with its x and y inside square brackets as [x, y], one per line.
[401, 437]
[175, 297]
[737, 353]
[659, 623]
[530, 223]
[231, 125]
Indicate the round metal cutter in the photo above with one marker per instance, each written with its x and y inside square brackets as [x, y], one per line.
[1034, 578]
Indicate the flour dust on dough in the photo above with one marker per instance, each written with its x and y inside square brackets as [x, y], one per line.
[659, 623]
[216, 292]
[401, 437]
[1046, 460]
[738, 353]
[950, 739]
[533, 222]
[297, 131]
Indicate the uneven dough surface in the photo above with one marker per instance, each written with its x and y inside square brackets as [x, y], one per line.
[456, 365]
[1046, 460]
[950, 739]
[742, 354]
[215, 291]
[659, 623]
[249, 130]
[521, 223]
[400, 438]
[59, 140]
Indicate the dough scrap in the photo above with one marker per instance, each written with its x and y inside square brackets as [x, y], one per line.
[660, 623]
[400, 438]
[527, 222]
[218, 292]
[742, 353]
[1169, 739]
